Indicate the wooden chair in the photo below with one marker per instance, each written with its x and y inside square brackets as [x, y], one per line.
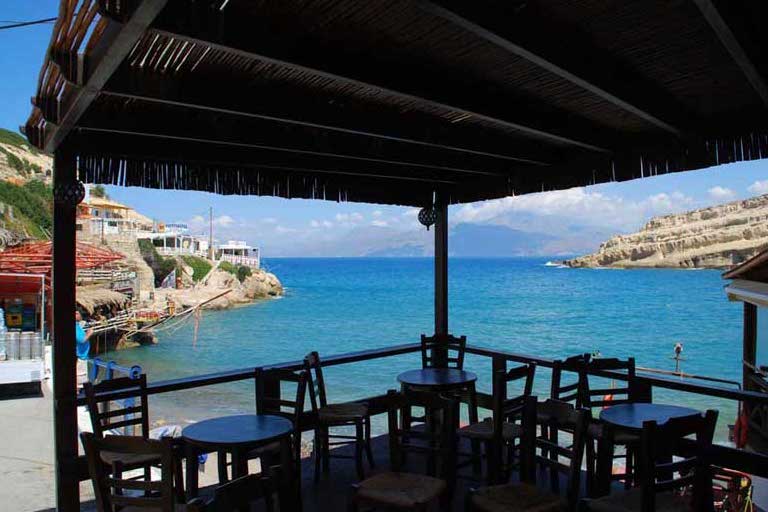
[594, 398]
[131, 417]
[290, 409]
[402, 490]
[663, 481]
[330, 416]
[569, 392]
[526, 495]
[501, 430]
[443, 351]
[239, 494]
[113, 492]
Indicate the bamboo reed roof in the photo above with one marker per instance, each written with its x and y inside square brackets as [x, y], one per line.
[390, 101]
[90, 298]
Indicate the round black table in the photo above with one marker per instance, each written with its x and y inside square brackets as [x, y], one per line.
[632, 416]
[437, 379]
[237, 435]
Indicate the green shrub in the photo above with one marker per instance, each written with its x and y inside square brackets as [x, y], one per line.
[32, 204]
[200, 266]
[228, 267]
[243, 272]
[160, 266]
[15, 162]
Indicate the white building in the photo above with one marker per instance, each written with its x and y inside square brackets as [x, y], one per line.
[238, 252]
[173, 239]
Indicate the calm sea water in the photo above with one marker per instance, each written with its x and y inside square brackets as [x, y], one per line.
[522, 305]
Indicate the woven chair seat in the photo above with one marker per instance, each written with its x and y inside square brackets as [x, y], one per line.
[342, 412]
[129, 459]
[405, 490]
[514, 497]
[483, 430]
[620, 436]
[631, 501]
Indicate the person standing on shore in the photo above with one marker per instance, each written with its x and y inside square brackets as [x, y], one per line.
[82, 348]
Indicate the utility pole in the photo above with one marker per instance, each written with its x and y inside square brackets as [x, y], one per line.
[210, 234]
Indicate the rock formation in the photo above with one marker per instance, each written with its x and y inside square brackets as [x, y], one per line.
[716, 237]
[259, 285]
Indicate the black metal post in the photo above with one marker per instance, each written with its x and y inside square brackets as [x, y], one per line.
[64, 359]
[441, 279]
[750, 344]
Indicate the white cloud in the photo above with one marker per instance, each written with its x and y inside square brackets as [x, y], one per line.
[577, 205]
[377, 213]
[327, 224]
[269, 220]
[223, 221]
[759, 187]
[284, 230]
[411, 212]
[314, 223]
[197, 219]
[349, 217]
[320, 224]
[721, 193]
[379, 223]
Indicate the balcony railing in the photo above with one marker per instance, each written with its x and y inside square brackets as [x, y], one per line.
[725, 456]
[247, 261]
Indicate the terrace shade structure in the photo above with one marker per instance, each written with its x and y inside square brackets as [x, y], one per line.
[421, 103]
[749, 285]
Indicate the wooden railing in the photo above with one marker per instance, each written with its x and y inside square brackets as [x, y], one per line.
[753, 463]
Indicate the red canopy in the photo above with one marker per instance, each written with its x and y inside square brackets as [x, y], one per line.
[36, 258]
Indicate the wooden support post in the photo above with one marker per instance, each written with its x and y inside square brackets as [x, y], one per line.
[749, 344]
[441, 278]
[64, 359]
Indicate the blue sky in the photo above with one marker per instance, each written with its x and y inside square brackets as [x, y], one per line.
[299, 227]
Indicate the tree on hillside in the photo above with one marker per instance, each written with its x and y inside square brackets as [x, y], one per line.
[99, 191]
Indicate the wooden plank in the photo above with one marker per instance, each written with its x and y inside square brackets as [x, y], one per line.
[731, 43]
[63, 353]
[116, 43]
[749, 349]
[579, 64]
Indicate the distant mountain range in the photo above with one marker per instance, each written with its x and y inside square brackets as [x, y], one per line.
[482, 241]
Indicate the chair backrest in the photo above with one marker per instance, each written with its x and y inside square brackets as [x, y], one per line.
[239, 494]
[660, 472]
[113, 493]
[438, 446]
[505, 408]
[603, 397]
[443, 351]
[123, 415]
[292, 409]
[315, 380]
[568, 392]
[561, 457]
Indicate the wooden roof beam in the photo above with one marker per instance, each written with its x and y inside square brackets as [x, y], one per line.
[275, 156]
[515, 30]
[719, 25]
[142, 87]
[115, 44]
[561, 129]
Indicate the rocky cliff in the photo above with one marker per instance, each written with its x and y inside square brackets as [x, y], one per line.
[716, 237]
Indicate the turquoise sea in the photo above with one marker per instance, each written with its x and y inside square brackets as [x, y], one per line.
[519, 304]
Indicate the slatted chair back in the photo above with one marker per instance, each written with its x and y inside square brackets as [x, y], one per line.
[504, 407]
[569, 392]
[316, 382]
[239, 494]
[125, 416]
[115, 492]
[561, 449]
[292, 409]
[443, 351]
[604, 397]
[438, 447]
[660, 473]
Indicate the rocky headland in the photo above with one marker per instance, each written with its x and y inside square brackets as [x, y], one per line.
[715, 237]
[259, 285]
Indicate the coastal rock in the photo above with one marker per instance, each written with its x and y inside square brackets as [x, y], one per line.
[715, 237]
[259, 285]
